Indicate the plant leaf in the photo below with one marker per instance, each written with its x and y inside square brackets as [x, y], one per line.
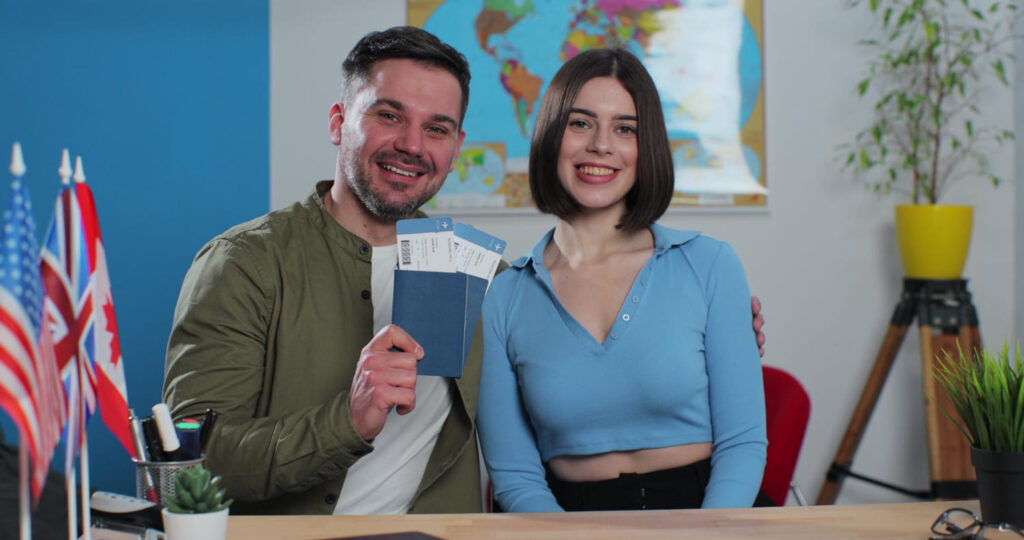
[862, 86]
[1000, 71]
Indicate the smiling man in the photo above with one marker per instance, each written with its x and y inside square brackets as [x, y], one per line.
[282, 322]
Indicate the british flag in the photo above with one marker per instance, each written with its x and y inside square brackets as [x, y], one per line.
[68, 308]
[29, 385]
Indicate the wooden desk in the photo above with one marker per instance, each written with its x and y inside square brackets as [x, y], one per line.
[889, 521]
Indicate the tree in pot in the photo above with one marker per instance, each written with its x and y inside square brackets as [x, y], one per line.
[197, 509]
[926, 76]
[986, 391]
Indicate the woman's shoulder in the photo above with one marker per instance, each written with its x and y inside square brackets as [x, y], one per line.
[691, 242]
[705, 255]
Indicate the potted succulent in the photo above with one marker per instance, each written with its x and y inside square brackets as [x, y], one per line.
[196, 510]
[986, 392]
[929, 67]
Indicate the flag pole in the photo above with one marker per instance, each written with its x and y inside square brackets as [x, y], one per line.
[83, 455]
[75, 433]
[69, 459]
[84, 485]
[24, 497]
[24, 506]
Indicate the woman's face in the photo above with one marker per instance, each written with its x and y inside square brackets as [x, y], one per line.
[597, 160]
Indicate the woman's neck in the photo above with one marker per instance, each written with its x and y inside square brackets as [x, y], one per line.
[593, 238]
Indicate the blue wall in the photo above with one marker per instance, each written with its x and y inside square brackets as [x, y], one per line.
[168, 105]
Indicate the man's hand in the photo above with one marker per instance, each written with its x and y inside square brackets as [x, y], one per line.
[384, 379]
[755, 309]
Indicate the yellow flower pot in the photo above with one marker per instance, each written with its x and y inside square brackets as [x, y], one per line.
[933, 239]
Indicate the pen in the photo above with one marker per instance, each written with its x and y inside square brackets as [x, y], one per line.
[168, 438]
[209, 419]
[138, 439]
[139, 442]
[153, 446]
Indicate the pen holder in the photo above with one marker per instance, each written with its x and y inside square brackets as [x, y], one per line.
[153, 478]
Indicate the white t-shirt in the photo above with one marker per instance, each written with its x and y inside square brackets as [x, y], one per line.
[385, 480]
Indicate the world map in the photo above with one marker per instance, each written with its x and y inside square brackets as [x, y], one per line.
[704, 56]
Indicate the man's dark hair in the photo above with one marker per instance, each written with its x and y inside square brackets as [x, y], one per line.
[655, 181]
[406, 42]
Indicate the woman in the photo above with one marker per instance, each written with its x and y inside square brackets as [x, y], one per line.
[619, 367]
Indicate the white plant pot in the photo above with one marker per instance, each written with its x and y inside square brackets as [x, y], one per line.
[208, 526]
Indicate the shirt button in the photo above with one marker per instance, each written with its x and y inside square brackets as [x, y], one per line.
[615, 336]
[331, 498]
[365, 294]
[625, 317]
[636, 299]
[364, 249]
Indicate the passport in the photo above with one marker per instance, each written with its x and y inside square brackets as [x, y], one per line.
[440, 311]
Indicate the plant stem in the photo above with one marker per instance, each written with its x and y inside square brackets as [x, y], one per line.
[937, 116]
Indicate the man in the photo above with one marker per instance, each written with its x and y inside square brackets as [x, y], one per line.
[273, 316]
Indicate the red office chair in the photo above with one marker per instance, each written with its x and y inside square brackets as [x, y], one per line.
[787, 409]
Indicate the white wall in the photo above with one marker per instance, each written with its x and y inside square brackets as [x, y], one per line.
[822, 258]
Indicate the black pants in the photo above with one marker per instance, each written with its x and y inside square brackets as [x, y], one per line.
[682, 487]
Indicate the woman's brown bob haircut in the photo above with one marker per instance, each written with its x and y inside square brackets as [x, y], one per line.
[655, 181]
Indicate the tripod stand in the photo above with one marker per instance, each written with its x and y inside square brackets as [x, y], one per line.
[945, 317]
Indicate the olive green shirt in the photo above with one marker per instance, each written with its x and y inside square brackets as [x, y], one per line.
[267, 331]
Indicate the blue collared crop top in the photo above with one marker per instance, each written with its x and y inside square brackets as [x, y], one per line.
[679, 366]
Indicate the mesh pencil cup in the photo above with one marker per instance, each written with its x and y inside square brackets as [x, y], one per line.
[153, 478]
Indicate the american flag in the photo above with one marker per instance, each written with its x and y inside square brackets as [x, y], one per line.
[29, 387]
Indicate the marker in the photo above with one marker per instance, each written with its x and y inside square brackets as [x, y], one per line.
[168, 437]
[188, 436]
[154, 448]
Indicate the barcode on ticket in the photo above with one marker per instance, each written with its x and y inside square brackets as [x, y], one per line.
[406, 253]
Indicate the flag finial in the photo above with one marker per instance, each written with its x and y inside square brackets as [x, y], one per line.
[79, 171]
[65, 168]
[17, 162]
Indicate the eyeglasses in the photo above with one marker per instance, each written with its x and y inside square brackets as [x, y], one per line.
[960, 523]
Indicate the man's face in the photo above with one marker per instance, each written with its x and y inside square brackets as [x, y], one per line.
[400, 136]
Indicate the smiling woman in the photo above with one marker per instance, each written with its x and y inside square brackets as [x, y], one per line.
[618, 356]
[569, 110]
[597, 160]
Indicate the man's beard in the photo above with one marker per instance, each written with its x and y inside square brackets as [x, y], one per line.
[359, 182]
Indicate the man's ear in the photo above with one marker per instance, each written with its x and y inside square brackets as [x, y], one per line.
[458, 148]
[337, 118]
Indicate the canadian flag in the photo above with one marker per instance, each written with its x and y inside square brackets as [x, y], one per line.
[111, 388]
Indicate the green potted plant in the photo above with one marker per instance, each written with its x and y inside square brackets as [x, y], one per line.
[986, 393]
[196, 509]
[925, 77]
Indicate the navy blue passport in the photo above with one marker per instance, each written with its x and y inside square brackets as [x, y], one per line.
[440, 311]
